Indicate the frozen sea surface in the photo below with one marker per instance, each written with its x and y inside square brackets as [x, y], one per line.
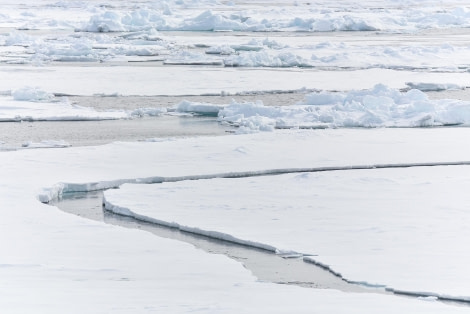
[50, 257]
[122, 72]
[386, 228]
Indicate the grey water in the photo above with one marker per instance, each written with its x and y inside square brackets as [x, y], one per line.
[86, 133]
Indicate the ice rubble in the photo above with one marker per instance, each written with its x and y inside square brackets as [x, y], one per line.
[112, 30]
[82, 48]
[265, 59]
[380, 106]
[21, 48]
[325, 55]
[298, 18]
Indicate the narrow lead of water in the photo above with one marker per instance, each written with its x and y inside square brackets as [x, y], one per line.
[84, 133]
[265, 265]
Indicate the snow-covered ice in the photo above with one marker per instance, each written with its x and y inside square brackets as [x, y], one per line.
[400, 228]
[57, 260]
[372, 66]
[139, 267]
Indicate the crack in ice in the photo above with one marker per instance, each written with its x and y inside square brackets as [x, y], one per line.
[59, 189]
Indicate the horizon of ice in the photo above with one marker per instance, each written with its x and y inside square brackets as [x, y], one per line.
[301, 17]
[129, 33]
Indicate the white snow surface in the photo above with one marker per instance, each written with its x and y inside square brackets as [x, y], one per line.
[58, 262]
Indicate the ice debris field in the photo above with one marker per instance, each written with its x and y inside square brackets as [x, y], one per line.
[366, 175]
[379, 106]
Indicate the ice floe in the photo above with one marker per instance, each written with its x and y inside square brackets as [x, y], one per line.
[366, 225]
[50, 244]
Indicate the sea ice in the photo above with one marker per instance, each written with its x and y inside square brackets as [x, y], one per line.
[57, 263]
[62, 263]
[388, 227]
